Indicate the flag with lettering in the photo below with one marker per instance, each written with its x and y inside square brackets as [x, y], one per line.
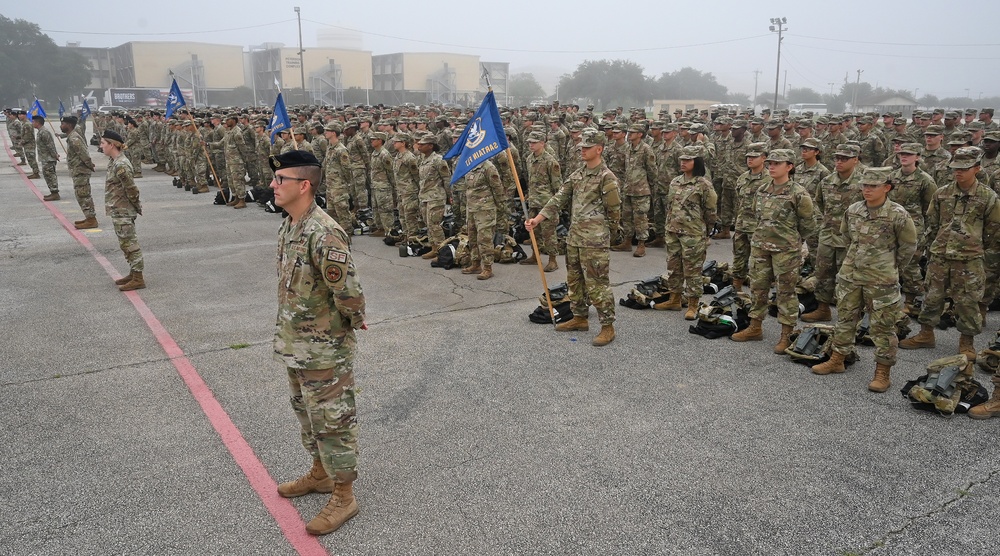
[483, 138]
[174, 99]
[279, 121]
[85, 111]
[36, 109]
[62, 109]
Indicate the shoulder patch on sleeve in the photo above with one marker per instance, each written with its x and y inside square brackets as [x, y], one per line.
[333, 273]
[336, 256]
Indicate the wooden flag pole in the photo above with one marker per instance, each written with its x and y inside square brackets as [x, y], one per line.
[58, 140]
[208, 159]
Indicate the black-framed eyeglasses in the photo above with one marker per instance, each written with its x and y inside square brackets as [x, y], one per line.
[280, 179]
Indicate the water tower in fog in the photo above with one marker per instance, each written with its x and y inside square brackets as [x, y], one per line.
[345, 39]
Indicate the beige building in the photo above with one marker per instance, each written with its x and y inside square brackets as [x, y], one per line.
[328, 73]
[203, 67]
[423, 77]
[683, 104]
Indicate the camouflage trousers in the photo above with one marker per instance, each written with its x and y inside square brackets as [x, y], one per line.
[965, 283]
[545, 233]
[129, 244]
[324, 404]
[884, 305]
[727, 198]
[909, 276]
[359, 188]
[135, 157]
[199, 176]
[782, 269]
[185, 169]
[18, 147]
[81, 188]
[828, 260]
[382, 199]
[991, 264]
[254, 172]
[741, 254]
[29, 155]
[658, 209]
[635, 216]
[433, 212]
[338, 205]
[685, 255]
[587, 275]
[409, 211]
[219, 165]
[50, 177]
[482, 225]
[237, 177]
[458, 206]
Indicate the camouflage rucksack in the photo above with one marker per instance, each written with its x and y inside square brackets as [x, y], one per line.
[506, 250]
[645, 294]
[415, 246]
[558, 294]
[716, 276]
[726, 314]
[947, 388]
[989, 359]
[813, 344]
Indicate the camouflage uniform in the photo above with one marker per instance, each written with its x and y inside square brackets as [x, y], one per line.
[960, 226]
[544, 179]
[359, 168]
[784, 219]
[668, 168]
[48, 156]
[320, 304]
[28, 145]
[404, 168]
[691, 211]
[733, 160]
[235, 148]
[640, 177]
[383, 184]
[80, 168]
[914, 192]
[337, 176]
[484, 197]
[435, 178]
[133, 149]
[832, 199]
[121, 203]
[14, 130]
[198, 162]
[745, 223]
[593, 197]
[881, 241]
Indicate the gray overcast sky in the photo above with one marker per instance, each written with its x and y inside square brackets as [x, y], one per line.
[825, 40]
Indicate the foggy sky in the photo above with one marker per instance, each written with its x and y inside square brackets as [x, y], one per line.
[824, 42]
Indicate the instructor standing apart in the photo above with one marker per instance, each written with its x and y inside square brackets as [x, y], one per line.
[121, 203]
[320, 304]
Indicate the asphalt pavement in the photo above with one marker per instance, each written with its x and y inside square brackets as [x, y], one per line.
[481, 432]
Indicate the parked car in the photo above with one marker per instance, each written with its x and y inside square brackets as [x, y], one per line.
[109, 108]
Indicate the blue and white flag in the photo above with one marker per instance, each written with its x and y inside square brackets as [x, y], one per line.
[483, 138]
[85, 111]
[36, 110]
[279, 121]
[174, 99]
[62, 110]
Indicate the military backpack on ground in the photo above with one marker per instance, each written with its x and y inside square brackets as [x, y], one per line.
[646, 293]
[559, 295]
[947, 388]
[989, 359]
[506, 250]
[813, 344]
[415, 246]
[723, 316]
[716, 276]
[222, 197]
[454, 252]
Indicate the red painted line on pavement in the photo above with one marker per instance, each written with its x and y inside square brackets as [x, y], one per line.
[284, 513]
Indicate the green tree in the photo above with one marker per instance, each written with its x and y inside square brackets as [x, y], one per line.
[689, 83]
[524, 88]
[607, 83]
[32, 64]
[803, 94]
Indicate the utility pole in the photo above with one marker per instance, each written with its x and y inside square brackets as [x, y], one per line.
[854, 97]
[831, 88]
[784, 86]
[302, 62]
[756, 74]
[778, 26]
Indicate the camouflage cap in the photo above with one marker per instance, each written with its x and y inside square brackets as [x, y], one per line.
[781, 155]
[910, 148]
[301, 130]
[696, 128]
[966, 157]
[333, 126]
[591, 138]
[402, 137]
[822, 120]
[975, 126]
[656, 124]
[960, 138]
[986, 111]
[637, 128]
[536, 137]
[899, 120]
[757, 120]
[848, 150]
[691, 152]
[773, 123]
[756, 149]
[866, 120]
[426, 139]
[804, 124]
[669, 127]
[379, 135]
[876, 175]
[724, 120]
[992, 136]
[576, 127]
[950, 115]
[939, 110]
[934, 130]
[811, 143]
[740, 122]
[351, 123]
[620, 128]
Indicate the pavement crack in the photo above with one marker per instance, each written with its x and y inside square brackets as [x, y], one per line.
[960, 494]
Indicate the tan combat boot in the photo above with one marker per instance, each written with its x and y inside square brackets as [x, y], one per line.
[241, 204]
[821, 314]
[135, 283]
[552, 265]
[432, 254]
[881, 381]
[724, 234]
[529, 261]
[783, 341]
[124, 279]
[625, 245]
[232, 202]
[908, 306]
[966, 347]
[315, 480]
[201, 189]
[833, 365]
[658, 242]
[86, 224]
[341, 507]
[473, 268]
[737, 284]
[605, 336]
[672, 303]
[487, 272]
[989, 408]
[575, 324]
[640, 250]
[924, 339]
[752, 333]
[51, 197]
[692, 312]
[34, 176]
[378, 233]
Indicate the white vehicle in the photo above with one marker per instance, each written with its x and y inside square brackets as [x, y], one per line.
[817, 109]
[109, 108]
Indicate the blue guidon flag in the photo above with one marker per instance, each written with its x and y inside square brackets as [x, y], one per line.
[279, 120]
[85, 111]
[483, 138]
[174, 99]
[36, 110]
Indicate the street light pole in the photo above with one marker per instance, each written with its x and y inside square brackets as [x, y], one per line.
[302, 63]
[778, 26]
